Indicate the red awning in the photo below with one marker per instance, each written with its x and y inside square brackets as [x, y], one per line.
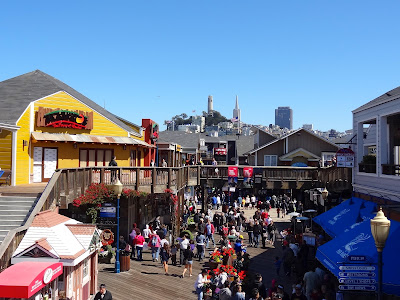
[25, 279]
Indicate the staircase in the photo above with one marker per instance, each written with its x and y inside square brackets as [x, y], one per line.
[14, 211]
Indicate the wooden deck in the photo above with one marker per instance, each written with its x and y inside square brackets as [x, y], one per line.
[146, 279]
[30, 190]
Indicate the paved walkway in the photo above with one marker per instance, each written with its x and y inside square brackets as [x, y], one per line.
[146, 279]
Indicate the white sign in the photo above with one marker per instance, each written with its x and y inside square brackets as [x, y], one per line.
[357, 281]
[357, 268]
[357, 287]
[356, 274]
[48, 274]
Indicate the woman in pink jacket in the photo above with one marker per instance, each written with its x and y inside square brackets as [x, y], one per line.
[138, 243]
[154, 243]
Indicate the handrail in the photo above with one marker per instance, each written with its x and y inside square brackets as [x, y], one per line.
[76, 181]
[18, 233]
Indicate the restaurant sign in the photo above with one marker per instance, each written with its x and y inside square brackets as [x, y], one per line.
[64, 118]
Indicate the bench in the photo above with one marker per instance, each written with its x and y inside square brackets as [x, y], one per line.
[5, 177]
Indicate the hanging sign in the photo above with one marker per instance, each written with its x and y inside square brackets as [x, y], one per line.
[219, 151]
[345, 158]
[248, 172]
[232, 171]
[107, 237]
[64, 118]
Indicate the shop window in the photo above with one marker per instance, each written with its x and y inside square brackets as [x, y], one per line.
[270, 160]
[94, 157]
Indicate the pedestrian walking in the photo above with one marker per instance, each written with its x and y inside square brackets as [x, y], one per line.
[200, 243]
[164, 254]
[139, 242]
[155, 243]
[183, 244]
[146, 233]
[257, 232]
[209, 233]
[132, 236]
[188, 261]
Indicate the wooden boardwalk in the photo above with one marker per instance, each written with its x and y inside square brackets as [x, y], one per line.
[146, 279]
[27, 190]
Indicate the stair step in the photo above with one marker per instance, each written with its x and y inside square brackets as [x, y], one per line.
[14, 212]
[12, 222]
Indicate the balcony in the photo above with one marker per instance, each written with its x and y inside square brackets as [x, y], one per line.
[367, 168]
[391, 170]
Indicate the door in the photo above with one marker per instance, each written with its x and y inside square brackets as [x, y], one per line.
[37, 164]
[49, 162]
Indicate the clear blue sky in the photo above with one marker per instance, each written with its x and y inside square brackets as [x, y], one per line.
[156, 59]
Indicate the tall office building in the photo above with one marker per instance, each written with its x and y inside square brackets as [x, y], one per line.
[284, 117]
[236, 111]
[210, 105]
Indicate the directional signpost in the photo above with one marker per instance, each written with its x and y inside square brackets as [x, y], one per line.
[356, 275]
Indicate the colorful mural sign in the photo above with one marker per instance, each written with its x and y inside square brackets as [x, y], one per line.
[63, 118]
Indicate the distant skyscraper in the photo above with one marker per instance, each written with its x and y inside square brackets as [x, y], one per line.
[236, 111]
[284, 117]
[210, 105]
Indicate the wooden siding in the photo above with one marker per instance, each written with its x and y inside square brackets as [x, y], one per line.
[264, 138]
[5, 149]
[23, 134]
[274, 149]
[101, 125]
[309, 142]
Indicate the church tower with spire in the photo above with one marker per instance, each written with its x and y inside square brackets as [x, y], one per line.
[236, 111]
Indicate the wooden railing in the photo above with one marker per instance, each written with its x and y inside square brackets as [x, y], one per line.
[68, 184]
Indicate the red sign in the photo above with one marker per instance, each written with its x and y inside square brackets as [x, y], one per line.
[25, 279]
[232, 171]
[63, 118]
[219, 151]
[248, 172]
[107, 237]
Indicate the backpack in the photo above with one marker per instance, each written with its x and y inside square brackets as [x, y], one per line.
[154, 241]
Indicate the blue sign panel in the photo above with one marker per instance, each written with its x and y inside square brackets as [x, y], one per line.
[357, 274]
[357, 281]
[108, 211]
[369, 288]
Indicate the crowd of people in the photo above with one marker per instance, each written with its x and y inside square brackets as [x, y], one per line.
[222, 227]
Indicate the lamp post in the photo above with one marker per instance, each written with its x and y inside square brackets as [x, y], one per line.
[117, 188]
[380, 227]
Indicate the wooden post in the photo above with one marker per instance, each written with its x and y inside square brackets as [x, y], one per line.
[198, 175]
[66, 182]
[137, 178]
[90, 176]
[169, 178]
[153, 179]
[75, 183]
[83, 187]
[102, 175]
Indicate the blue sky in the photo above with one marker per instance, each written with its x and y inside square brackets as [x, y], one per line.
[156, 59]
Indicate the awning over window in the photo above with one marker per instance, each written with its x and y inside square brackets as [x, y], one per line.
[85, 138]
[25, 279]
[359, 242]
[346, 216]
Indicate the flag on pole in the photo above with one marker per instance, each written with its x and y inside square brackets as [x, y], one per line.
[235, 119]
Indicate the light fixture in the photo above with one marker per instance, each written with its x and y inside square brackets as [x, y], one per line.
[117, 187]
[324, 194]
[380, 226]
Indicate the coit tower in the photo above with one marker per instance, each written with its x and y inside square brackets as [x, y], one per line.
[210, 105]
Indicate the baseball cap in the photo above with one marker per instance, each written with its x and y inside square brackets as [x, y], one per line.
[280, 286]
[298, 286]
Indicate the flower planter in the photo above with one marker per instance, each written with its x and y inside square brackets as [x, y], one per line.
[213, 265]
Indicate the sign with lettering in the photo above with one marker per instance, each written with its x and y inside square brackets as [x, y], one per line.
[232, 171]
[64, 118]
[248, 172]
[219, 151]
[345, 158]
[370, 288]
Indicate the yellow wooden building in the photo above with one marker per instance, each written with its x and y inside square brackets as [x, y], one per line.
[45, 125]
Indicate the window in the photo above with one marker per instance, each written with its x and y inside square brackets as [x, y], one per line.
[94, 157]
[133, 158]
[270, 160]
[85, 267]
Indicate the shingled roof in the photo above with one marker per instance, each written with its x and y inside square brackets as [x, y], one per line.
[18, 92]
[386, 97]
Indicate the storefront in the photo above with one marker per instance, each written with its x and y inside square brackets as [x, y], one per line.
[48, 125]
[171, 153]
[31, 280]
[54, 238]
